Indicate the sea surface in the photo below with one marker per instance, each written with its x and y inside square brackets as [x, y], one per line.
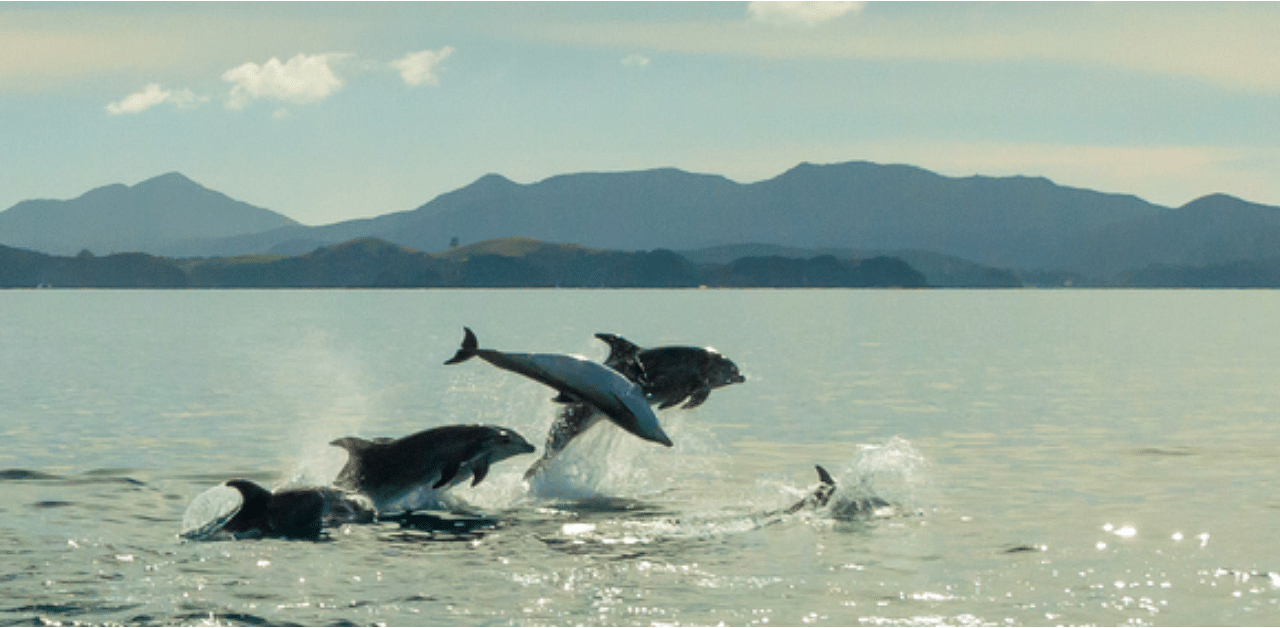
[1048, 457]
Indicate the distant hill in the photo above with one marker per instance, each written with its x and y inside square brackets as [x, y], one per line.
[507, 263]
[149, 216]
[940, 271]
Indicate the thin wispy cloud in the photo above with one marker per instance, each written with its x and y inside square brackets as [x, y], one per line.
[300, 80]
[635, 61]
[151, 96]
[806, 13]
[422, 68]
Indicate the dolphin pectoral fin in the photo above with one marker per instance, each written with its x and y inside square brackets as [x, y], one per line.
[699, 395]
[469, 347]
[478, 473]
[670, 402]
[565, 397]
[446, 474]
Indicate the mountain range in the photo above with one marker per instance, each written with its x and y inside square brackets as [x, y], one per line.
[1028, 225]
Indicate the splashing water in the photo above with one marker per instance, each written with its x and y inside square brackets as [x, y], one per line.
[882, 479]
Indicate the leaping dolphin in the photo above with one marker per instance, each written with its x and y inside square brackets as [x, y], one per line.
[241, 509]
[670, 375]
[408, 473]
[666, 376]
[579, 380]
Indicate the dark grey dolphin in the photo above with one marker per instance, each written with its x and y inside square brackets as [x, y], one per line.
[672, 374]
[579, 380]
[846, 506]
[408, 473]
[255, 512]
[666, 376]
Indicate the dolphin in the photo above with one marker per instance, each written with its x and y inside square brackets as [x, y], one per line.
[666, 376]
[846, 506]
[670, 375]
[407, 473]
[579, 380]
[241, 509]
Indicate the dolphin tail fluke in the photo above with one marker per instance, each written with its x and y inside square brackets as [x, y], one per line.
[469, 347]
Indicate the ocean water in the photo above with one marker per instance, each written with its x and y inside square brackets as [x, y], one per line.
[1049, 457]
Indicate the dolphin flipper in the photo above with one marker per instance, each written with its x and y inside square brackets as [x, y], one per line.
[469, 347]
[478, 473]
[447, 473]
[566, 397]
[699, 395]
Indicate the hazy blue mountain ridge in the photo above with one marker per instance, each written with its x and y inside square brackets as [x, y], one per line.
[1027, 225]
[145, 217]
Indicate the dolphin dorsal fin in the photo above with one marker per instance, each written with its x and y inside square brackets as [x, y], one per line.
[353, 444]
[622, 354]
[823, 476]
[619, 347]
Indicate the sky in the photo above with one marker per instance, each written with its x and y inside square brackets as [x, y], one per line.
[330, 111]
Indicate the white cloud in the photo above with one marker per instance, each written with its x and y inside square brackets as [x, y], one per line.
[807, 13]
[635, 60]
[300, 80]
[420, 68]
[153, 95]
